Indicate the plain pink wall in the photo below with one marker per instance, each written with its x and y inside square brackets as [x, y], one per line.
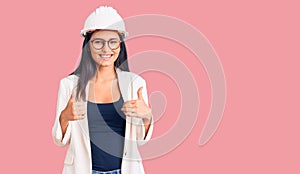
[257, 43]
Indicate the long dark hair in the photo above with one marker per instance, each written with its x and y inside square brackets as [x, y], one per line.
[87, 67]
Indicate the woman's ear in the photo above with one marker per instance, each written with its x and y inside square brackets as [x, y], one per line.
[121, 37]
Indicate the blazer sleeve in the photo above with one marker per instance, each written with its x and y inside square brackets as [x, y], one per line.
[141, 132]
[62, 101]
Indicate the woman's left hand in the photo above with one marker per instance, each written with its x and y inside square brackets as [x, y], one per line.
[137, 108]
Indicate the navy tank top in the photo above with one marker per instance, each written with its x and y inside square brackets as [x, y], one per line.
[107, 131]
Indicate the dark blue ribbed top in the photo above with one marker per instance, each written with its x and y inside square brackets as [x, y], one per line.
[107, 131]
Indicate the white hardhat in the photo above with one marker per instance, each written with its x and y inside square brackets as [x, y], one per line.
[106, 18]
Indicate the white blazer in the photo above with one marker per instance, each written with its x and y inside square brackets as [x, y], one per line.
[78, 156]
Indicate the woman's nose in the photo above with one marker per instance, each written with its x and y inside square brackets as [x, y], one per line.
[106, 48]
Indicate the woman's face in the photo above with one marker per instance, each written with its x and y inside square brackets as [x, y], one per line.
[104, 57]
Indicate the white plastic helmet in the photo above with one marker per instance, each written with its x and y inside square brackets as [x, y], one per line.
[104, 17]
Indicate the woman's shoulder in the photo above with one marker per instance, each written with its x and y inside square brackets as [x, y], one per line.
[131, 75]
[70, 79]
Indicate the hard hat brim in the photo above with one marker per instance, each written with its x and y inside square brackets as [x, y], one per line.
[85, 31]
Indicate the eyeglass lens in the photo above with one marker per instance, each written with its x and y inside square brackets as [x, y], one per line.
[112, 43]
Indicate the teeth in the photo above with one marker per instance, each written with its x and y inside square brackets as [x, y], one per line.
[105, 56]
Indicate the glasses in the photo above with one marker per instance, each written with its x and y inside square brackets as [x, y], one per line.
[98, 44]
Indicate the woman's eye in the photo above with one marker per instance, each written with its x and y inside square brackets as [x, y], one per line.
[113, 42]
[98, 42]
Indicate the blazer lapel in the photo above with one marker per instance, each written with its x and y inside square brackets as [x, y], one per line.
[125, 85]
[84, 122]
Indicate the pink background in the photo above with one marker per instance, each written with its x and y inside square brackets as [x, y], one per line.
[256, 41]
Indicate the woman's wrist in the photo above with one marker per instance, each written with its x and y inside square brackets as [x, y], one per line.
[148, 117]
[62, 119]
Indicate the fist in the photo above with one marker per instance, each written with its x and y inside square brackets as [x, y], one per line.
[137, 108]
[75, 110]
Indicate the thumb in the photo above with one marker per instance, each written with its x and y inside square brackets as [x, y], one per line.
[73, 96]
[139, 93]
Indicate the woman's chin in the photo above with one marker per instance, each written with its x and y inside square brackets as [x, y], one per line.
[106, 64]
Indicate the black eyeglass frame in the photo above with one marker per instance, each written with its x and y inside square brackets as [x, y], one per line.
[104, 41]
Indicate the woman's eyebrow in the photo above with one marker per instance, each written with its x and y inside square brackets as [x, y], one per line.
[104, 39]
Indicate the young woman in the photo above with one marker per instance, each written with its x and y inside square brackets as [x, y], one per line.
[102, 109]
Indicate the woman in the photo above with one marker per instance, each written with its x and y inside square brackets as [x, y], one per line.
[102, 109]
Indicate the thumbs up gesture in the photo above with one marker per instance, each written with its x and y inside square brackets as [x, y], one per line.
[75, 110]
[137, 108]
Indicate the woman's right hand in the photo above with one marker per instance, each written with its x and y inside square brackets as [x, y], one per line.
[75, 110]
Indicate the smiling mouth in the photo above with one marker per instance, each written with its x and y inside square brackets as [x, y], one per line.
[105, 56]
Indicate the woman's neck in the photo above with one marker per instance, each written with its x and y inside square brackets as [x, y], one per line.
[105, 74]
